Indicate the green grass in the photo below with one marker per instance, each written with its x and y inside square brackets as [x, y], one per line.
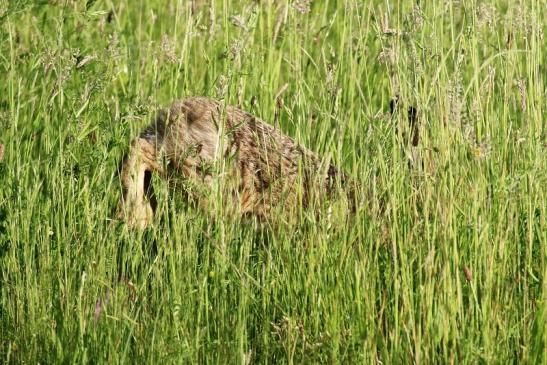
[444, 263]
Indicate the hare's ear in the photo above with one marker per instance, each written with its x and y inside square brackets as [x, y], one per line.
[413, 122]
[412, 118]
[149, 190]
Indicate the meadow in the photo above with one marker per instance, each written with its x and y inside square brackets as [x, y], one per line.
[445, 260]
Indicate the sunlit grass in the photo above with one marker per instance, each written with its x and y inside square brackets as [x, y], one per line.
[444, 262]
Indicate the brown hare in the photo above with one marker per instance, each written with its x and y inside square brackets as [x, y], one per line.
[204, 142]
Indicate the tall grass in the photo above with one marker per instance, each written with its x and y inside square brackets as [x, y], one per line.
[445, 262]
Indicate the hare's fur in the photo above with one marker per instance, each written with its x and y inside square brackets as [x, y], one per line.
[204, 142]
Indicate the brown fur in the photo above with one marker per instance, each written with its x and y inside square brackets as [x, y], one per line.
[201, 140]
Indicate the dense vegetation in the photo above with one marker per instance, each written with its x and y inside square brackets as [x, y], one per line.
[445, 263]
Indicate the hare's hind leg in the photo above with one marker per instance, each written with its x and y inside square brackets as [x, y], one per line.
[138, 202]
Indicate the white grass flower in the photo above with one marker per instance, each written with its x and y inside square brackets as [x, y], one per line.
[486, 15]
[85, 60]
[236, 48]
[302, 6]
[521, 85]
[416, 17]
[168, 49]
[222, 86]
[238, 21]
[387, 56]
[113, 48]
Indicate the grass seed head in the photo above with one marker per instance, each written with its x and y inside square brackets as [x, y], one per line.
[302, 6]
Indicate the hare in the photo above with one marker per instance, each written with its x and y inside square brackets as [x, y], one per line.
[205, 142]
